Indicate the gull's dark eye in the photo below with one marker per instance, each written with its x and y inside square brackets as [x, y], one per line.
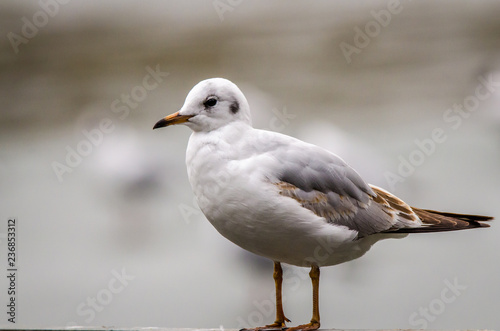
[210, 102]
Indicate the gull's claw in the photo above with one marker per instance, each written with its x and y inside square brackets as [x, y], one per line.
[276, 326]
[305, 327]
[266, 328]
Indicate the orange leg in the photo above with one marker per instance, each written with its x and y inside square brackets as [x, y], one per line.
[279, 323]
[278, 280]
[314, 324]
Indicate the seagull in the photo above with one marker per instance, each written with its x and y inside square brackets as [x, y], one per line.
[285, 199]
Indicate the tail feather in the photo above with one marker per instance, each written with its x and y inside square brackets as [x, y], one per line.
[436, 221]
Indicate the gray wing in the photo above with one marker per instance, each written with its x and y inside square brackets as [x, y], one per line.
[323, 183]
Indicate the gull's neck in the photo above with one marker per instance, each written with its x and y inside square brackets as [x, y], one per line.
[228, 140]
[228, 133]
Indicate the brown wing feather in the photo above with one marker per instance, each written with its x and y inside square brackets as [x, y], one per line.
[407, 219]
[433, 221]
[383, 212]
[401, 208]
[437, 221]
[317, 202]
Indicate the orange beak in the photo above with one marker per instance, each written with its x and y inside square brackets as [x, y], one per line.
[172, 119]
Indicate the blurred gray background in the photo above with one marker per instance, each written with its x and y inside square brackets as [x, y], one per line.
[112, 236]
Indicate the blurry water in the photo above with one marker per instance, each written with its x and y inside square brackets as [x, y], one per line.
[126, 207]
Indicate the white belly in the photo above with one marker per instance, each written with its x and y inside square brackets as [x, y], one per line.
[279, 228]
